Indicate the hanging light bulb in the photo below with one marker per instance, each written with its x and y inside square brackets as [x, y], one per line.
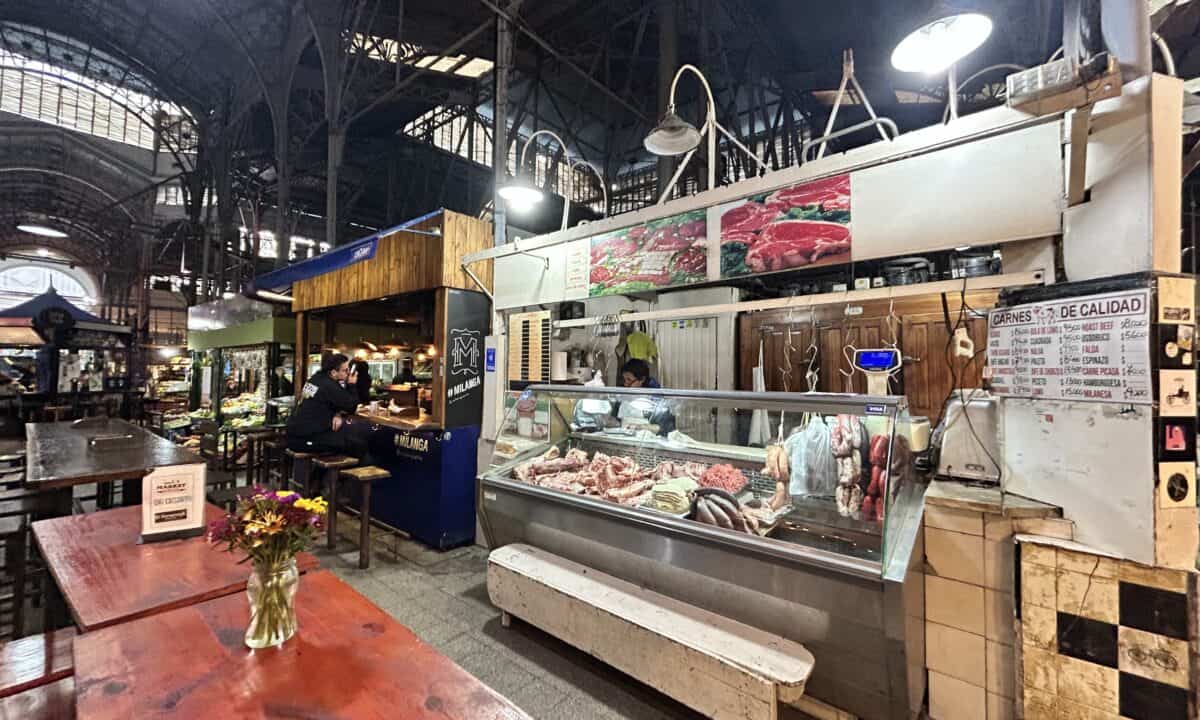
[941, 42]
[520, 194]
[672, 136]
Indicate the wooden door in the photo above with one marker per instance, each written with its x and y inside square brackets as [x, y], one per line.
[930, 372]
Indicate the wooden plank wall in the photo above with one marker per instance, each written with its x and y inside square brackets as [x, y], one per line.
[404, 262]
[927, 378]
[463, 235]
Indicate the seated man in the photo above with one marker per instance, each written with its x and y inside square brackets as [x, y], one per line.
[316, 425]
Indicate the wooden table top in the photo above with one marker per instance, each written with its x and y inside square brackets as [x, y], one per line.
[58, 454]
[106, 577]
[349, 659]
[35, 660]
[54, 700]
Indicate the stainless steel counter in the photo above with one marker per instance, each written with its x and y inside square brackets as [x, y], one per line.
[861, 622]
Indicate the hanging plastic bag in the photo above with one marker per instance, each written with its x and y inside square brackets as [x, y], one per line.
[813, 466]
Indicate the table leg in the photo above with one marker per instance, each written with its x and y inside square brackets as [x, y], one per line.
[364, 528]
[54, 503]
[250, 463]
[331, 517]
[131, 492]
[54, 606]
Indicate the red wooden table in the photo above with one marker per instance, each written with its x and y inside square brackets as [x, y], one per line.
[349, 659]
[35, 660]
[53, 701]
[106, 577]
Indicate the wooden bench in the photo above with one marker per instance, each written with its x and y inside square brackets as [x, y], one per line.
[53, 701]
[35, 661]
[722, 668]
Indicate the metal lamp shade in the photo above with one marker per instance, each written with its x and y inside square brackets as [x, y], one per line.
[521, 194]
[672, 136]
[942, 40]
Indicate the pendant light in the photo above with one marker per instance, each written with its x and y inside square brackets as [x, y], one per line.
[672, 136]
[947, 35]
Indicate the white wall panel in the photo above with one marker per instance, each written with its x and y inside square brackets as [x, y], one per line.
[1095, 460]
[526, 280]
[993, 190]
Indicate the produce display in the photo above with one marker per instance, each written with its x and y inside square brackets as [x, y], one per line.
[244, 404]
[248, 421]
[663, 253]
[793, 227]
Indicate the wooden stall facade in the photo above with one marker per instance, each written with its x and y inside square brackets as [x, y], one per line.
[921, 335]
[405, 262]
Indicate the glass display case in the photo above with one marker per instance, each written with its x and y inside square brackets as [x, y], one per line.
[835, 478]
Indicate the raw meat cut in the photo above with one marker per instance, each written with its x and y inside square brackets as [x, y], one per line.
[746, 218]
[668, 238]
[692, 260]
[694, 229]
[795, 243]
[830, 193]
[725, 477]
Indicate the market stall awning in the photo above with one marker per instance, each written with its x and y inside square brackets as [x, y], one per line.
[339, 257]
[35, 308]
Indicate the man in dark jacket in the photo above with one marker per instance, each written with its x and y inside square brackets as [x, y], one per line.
[316, 425]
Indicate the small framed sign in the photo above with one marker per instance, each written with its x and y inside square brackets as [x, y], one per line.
[173, 503]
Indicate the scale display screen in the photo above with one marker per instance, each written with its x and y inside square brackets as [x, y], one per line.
[877, 361]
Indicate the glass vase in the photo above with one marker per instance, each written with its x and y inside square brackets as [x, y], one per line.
[272, 593]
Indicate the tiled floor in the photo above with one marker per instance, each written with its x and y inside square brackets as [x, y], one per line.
[443, 598]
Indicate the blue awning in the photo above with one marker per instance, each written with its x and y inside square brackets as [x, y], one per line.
[51, 299]
[337, 258]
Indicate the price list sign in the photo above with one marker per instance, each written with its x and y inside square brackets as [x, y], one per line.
[1087, 348]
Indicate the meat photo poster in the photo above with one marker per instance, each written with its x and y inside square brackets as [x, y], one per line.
[799, 226]
[664, 253]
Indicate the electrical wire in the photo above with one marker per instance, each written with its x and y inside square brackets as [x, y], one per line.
[956, 378]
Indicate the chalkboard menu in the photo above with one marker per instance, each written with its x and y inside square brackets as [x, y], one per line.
[1093, 348]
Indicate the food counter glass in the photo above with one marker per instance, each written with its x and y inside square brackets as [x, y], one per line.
[814, 537]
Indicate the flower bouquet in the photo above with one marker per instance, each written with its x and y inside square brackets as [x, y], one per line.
[270, 527]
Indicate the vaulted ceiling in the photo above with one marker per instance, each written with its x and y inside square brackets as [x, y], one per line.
[586, 68]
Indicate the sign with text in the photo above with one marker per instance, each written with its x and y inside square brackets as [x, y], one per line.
[173, 503]
[1086, 348]
[468, 320]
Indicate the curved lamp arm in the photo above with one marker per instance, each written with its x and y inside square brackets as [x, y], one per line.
[710, 114]
[603, 183]
[521, 163]
[529, 141]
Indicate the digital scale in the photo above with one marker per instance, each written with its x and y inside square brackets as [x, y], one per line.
[878, 364]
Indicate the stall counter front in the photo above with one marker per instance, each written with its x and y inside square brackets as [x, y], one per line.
[431, 493]
[815, 538]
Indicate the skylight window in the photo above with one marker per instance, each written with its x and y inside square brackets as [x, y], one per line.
[388, 50]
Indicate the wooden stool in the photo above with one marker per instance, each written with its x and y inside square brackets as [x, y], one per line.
[274, 462]
[254, 450]
[329, 467]
[364, 476]
[57, 412]
[298, 471]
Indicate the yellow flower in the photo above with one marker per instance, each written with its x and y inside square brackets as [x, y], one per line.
[270, 524]
[315, 505]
